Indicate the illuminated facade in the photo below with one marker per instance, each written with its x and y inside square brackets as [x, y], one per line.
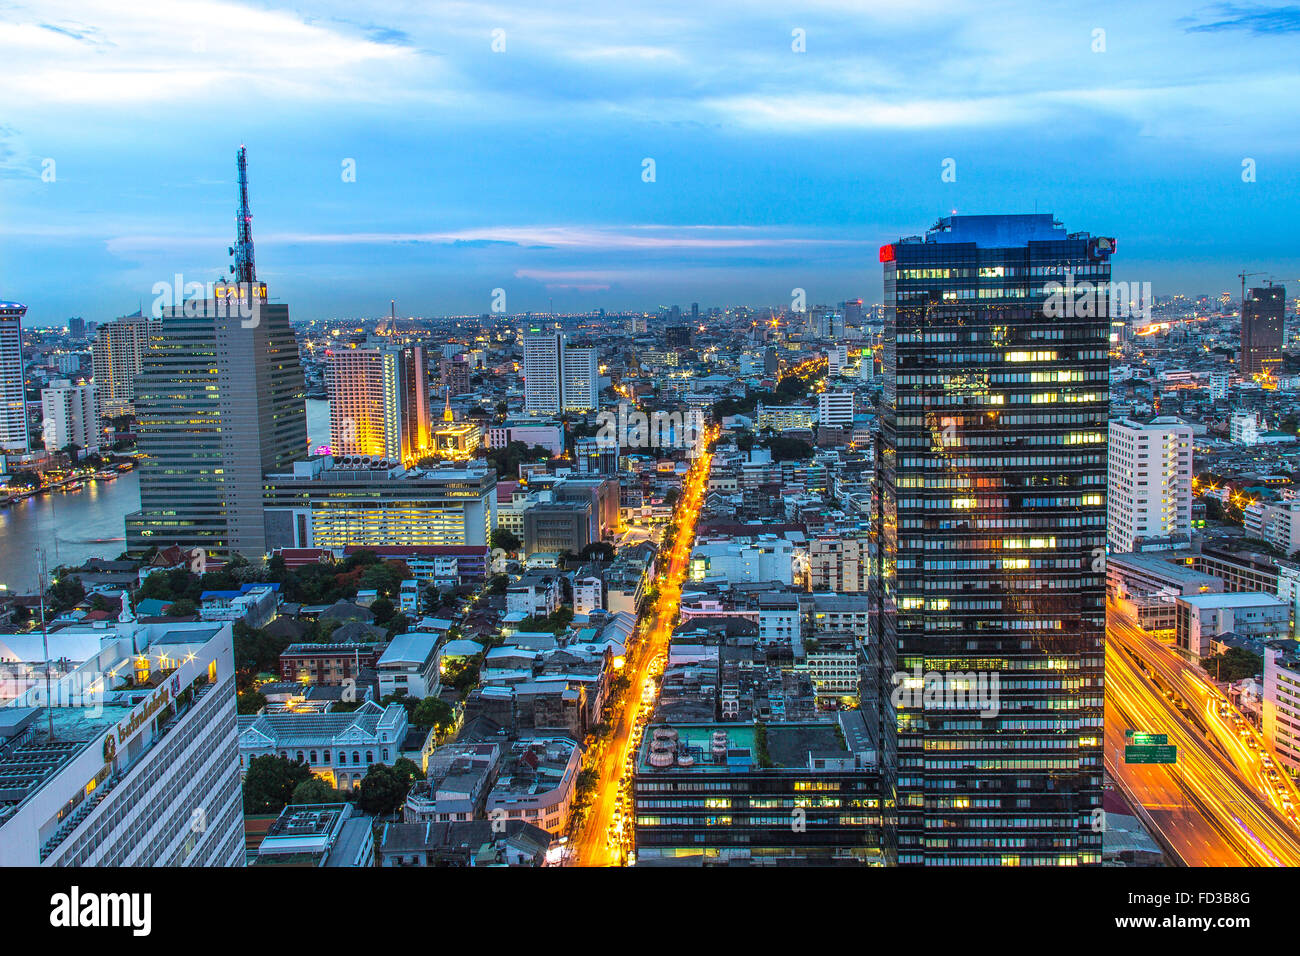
[991, 523]
[333, 503]
[379, 402]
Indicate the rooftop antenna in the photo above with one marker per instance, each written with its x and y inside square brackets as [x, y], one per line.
[243, 269]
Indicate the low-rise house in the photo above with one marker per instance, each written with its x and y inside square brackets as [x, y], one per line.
[469, 843]
[409, 666]
[537, 783]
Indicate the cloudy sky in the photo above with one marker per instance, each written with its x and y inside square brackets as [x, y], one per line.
[501, 145]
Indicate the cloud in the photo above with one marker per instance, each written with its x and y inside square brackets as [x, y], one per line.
[1255, 19]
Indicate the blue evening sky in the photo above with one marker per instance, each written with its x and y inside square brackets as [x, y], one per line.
[523, 169]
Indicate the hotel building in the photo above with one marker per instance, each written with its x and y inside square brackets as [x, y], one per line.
[132, 759]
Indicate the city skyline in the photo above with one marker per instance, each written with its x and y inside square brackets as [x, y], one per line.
[412, 166]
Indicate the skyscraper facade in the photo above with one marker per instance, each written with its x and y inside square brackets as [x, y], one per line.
[1261, 330]
[13, 404]
[379, 402]
[989, 587]
[543, 371]
[220, 403]
[117, 355]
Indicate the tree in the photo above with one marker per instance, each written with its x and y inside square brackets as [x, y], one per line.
[407, 771]
[381, 791]
[433, 712]
[598, 551]
[316, 790]
[789, 449]
[506, 540]
[1232, 665]
[25, 479]
[182, 607]
[271, 781]
[383, 610]
[67, 591]
[250, 701]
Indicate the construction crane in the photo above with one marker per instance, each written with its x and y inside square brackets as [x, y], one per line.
[1243, 276]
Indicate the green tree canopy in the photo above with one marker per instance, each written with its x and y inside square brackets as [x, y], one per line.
[270, 783]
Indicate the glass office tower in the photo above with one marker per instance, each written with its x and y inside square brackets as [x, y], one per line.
[991, 529]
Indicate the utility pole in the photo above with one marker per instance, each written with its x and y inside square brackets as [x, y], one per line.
[45, 643]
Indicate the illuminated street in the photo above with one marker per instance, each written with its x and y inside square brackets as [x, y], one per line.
[1215, 807]
[593, 845]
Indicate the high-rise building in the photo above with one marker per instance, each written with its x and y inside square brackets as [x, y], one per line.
[991, 520]
[581, 378]
[76, 327]
[13, 403]
[68, 417]
[1261, 330]
[835, 409]
[132, 758]
[678, 336]
[220, 403]
[117, 355]
[453, 374]
[543, 371]
[1149, 497]
[379, 402]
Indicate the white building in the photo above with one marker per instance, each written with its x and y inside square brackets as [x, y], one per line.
[1246, 614]
[143, 767]
[1243, 428]
[409, 666]
[543, 372]
[1282, 706]
[588, 593]
[1150, 484]
[549, 435]
[581, 379]
[69, 417]
[1219, 384]
[835, 409]
[766, 558]
[337, 747]
[837, 360]
[1277, 524]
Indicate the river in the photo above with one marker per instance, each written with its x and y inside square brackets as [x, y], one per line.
[76, 525]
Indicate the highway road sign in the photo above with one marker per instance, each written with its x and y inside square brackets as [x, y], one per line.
[1155, 753]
